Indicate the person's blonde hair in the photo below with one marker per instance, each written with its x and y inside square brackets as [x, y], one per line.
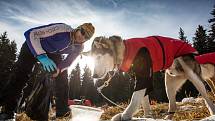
[88, 29]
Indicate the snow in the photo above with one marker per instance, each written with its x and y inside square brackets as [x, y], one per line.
[188, 100]
[149, 119]
[192, 100]
[210, 118]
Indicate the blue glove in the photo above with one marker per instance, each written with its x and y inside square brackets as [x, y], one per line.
[48, 64]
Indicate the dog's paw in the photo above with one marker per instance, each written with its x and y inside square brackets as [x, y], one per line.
[117, 117]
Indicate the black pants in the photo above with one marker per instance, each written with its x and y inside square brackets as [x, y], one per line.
[142, 67]
[23, 69]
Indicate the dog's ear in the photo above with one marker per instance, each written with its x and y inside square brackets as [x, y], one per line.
[88, 53]
[100, 42]
[118, 44]
[116, 39]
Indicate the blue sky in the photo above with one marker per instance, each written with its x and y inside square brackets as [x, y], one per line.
[128, 18]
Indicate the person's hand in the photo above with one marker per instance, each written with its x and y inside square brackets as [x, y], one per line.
[48, 64]
[56, 74]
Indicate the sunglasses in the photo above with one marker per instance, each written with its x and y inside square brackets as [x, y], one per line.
[82, 31]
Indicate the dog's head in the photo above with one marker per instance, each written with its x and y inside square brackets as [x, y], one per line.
[104, 51]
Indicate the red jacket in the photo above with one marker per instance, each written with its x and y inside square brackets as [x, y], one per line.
[206, 58]
[163, 50]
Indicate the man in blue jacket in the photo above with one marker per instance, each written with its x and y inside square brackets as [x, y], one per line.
[46, 44]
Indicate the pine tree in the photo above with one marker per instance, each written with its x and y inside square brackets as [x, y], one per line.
[115, 88]
[182, 35]
[120, 88]
[75, 83]
[88, 90]
[7, 59]
[86, 77]
[127, 87]
[211, 40]
[200, 40]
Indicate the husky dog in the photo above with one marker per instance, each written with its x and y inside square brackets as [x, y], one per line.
[176, 76]
[179, 72]
[109, 55]
[207, 70]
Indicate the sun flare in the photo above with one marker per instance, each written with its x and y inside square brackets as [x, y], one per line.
[89, 61]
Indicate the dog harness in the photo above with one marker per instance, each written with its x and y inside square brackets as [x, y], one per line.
[162, 50]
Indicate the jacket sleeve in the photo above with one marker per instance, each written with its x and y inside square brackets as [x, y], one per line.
[73, 52]
[34, 35]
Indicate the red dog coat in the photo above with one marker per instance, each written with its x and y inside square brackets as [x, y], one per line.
[162, 50]
[206, 58]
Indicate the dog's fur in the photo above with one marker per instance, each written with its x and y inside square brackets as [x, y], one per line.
[108, 52]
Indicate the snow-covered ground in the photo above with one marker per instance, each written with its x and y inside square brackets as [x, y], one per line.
[93, 114]
[211, 118]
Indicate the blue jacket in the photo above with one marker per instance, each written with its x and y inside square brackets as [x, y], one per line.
[53, 38]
